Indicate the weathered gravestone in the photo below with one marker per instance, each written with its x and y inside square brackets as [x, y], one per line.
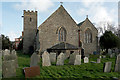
[11, 56]
[109, 51]
[98, 60]
[8, 69]
[117, 65]
[46, 59]
[77, 60]
[117, 50]
[60, 59]
[107, 66]
[53, 57]
[13, 52]
[6, 52]
[35, 59]
[86, 60]
[72, 58]
[32, 71]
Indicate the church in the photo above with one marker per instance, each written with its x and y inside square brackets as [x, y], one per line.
[59, 33]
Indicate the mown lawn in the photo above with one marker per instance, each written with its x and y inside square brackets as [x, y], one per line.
[83, 71]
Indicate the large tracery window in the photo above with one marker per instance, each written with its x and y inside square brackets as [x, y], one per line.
[88, 36]
[62, 34]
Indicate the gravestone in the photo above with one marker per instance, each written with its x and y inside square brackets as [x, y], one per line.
[35, 59]
[117, 50]
[46, 59]
[32, 71]
[104, 56]
[117, 64]
[86, 60]
[72, 58]
[13, 52]
[77, 60]
[100, 57]
[8, 69]
[98, 60]
[107, 66]
[109, 51]
[60, 59]
[53, 57]
[6, 52]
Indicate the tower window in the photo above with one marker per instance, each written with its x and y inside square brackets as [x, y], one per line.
[62, 34]
[88, 36]
[30, 19]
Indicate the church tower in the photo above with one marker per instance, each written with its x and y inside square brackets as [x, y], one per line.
[30, 30]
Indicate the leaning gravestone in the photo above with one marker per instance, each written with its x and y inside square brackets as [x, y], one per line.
[98, 60]
[107, 66]
[8, 69]
[53, 57]
[35, 59]
[60, 59]
[86, 60]
[77, 60]
[117, 65]
[72, 58]
[46, 59]
[109, 51]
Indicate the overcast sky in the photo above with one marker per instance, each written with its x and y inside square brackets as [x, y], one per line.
[11, 22]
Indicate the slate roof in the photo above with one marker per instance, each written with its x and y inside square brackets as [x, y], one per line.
[81, 23]
[64, 46]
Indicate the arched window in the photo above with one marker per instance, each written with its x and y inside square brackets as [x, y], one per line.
[88, 36]
[62, 34]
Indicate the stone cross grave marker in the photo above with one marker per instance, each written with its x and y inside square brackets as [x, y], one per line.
[35, 59]
[77, 60]
[107, 66]
[8, 69]
[53, 57]
[46, 59]
[72, 58]
[86, 60]
[117, 64]
[60, 59]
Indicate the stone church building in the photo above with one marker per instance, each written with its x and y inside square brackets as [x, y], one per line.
[59, 33]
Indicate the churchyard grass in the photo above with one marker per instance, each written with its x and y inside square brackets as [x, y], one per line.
[85, 70]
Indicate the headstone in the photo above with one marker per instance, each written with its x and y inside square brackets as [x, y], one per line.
[77, 60]
[72, 58]
[107, 66]
[100, 57]
[13, 52]
[60, 59]
[98, 60]
[53, 57]
[8, 69]
[35, 59]
[117, 65]
[117, 50]
[46, 59]
[109, 51]
[6, 52]
[86, 60]
[104, 56]
[32, 71]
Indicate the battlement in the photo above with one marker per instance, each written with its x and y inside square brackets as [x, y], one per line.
[30, 12]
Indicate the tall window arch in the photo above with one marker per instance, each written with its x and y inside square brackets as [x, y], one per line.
[62, 34]
[88, 36]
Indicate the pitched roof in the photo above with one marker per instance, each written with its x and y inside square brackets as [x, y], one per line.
[64, 46]
[80, 23]
[61, 9]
